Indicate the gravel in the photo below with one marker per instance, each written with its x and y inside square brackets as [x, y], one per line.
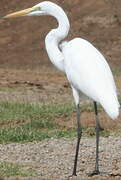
[54, 157]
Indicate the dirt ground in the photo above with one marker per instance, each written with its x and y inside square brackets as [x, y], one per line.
[27, 75]
[53, 159]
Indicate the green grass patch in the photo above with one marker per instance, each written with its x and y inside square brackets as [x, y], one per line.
[91, 132]
[119, 98]
[21, 134]
[25, 122]
[116, 71]
[8, 89]
[14, 111]
[8, 169]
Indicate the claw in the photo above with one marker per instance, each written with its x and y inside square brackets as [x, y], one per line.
[97, 172]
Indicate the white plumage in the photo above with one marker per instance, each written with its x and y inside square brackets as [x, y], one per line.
[88, 72]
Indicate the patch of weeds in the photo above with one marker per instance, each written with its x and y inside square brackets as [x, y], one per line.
[105, 133]
[89, 107]
[13, 111]
[21, 134]
[91, 132]
[117, 71]
[119, 98]
[116, 133]
[38, 121]
[8, 89]
[8, 169]
[41, 124]
[65, 133]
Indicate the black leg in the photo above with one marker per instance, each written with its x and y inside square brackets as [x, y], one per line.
[98, 129]
[97, 138]
[96, 171]
[79, 133]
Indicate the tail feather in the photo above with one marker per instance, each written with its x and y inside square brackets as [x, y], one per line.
[112, 107]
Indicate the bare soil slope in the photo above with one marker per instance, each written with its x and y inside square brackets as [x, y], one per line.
[22, 39]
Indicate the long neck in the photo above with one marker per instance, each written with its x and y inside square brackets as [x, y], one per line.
[54, 37]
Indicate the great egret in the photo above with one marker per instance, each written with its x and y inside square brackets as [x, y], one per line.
[85, 67]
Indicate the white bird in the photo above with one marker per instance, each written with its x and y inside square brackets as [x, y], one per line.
[85, 67]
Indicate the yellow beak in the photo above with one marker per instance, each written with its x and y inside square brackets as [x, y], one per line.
[20, 13]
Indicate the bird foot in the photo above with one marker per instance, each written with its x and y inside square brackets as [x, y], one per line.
[73, 175]
[97, 172]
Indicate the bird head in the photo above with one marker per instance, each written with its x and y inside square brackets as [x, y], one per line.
[43, 8]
